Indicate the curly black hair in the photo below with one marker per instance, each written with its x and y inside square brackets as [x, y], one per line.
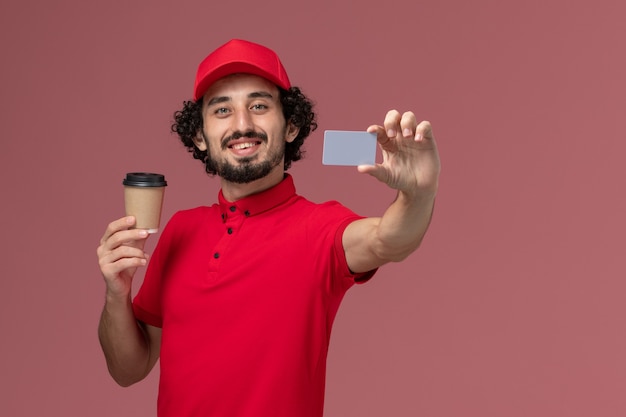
[297, 109]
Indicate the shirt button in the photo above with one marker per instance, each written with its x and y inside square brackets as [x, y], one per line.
[216, 255]
[230, 230]
[247, 213]
[233, 208]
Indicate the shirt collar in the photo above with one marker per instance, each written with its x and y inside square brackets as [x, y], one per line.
[260, 202]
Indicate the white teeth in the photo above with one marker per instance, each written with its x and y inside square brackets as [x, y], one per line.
[244, 145]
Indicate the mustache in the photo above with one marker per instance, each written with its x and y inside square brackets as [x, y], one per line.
[238, 135]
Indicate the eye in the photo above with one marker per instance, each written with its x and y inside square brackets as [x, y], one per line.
[258, 106]
[221, 110]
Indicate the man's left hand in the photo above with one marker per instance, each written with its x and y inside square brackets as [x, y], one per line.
[410, 158]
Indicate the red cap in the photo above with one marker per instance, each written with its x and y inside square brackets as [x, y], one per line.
[238, 56]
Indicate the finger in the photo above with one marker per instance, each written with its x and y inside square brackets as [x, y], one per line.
[392, 123]
[111, 271]
[408, 124]
[381, 134]
[134, 238]
[125, 237]
[424, 131]
[121, 258]
[117, 225]
[122, 251]
[121, 264]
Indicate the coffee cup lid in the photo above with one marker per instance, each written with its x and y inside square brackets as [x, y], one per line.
[144, 179]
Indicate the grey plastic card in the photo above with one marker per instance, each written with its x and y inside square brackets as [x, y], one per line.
[343, 147]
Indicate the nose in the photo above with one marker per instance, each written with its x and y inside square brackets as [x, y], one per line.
[243, 121]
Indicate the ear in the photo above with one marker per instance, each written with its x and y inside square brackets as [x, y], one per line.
[291, 133]
[199, 141]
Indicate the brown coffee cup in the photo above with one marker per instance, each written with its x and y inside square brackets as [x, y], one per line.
[143, 198]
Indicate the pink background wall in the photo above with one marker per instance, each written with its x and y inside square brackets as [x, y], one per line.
[513, 306]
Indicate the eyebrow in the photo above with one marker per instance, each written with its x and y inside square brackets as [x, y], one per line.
[260, 94]
[255, 94]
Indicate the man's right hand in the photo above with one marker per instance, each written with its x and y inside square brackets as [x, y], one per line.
[120, 254]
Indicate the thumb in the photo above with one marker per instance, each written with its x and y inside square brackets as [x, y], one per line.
[377, 171]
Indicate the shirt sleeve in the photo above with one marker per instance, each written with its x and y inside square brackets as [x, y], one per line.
[329, 222]
[358, 278]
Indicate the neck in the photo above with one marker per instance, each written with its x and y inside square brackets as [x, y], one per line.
[233, 191]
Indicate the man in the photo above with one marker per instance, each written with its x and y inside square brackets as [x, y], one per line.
[239, 298]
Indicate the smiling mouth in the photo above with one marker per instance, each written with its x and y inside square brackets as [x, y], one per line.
[244, 145]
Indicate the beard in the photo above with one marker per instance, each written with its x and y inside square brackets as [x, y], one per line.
[246, 169]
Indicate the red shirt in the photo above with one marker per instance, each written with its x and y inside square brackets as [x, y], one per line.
[246, 294]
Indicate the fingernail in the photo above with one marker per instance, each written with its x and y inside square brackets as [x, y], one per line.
[129, 220]
[143, 233]
[391, 133]
[406, 133]
[418, 137]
